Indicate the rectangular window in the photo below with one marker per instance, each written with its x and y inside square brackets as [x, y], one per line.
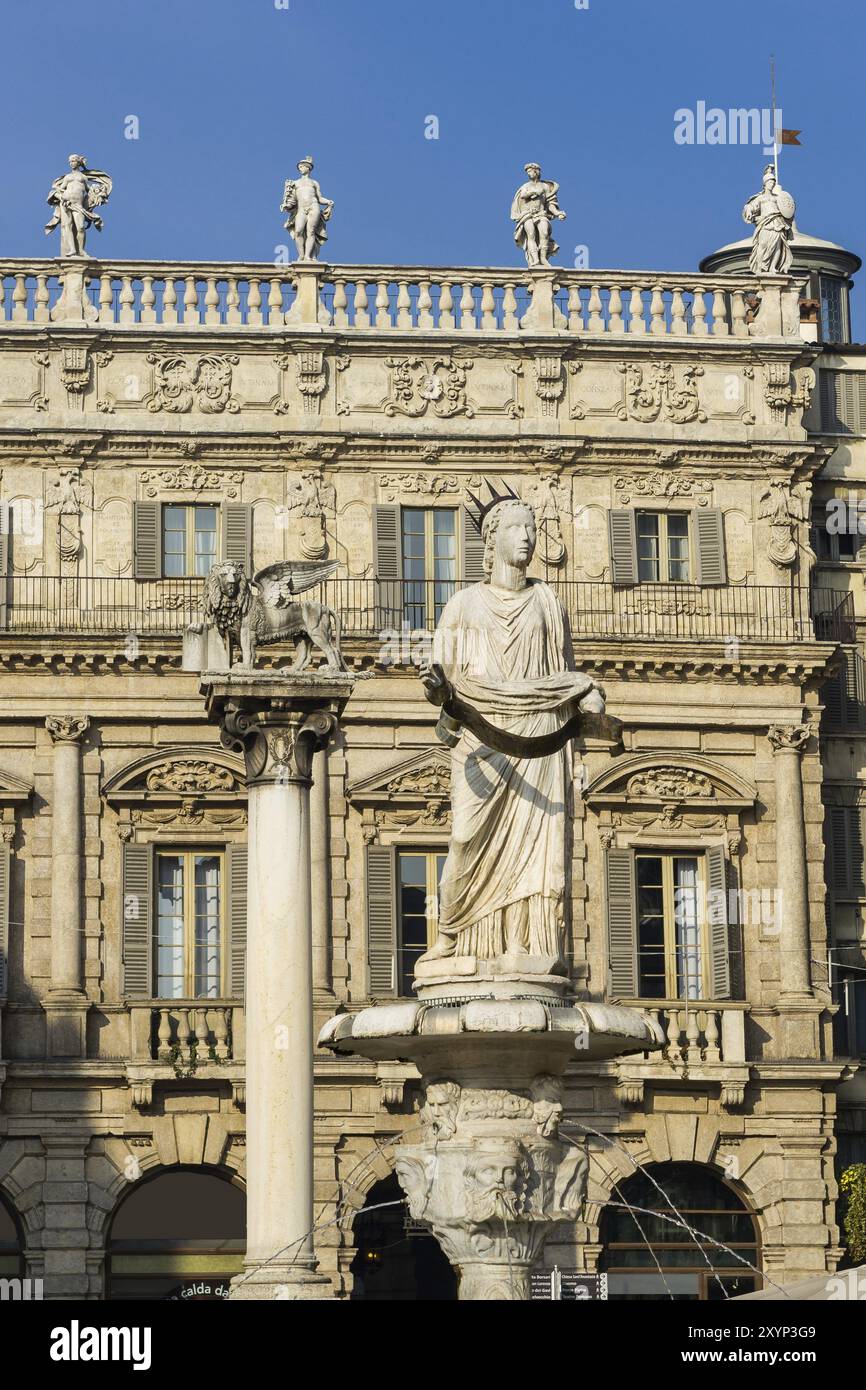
[418, 875]
[671, 945]
[189, 925]
[190, 537]
[835, 533]
[663, 547]
[429, 554]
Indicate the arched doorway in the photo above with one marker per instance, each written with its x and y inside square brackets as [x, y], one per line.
[710, 1205]
[395, 1258]
[178, 1235]
[11, 1243]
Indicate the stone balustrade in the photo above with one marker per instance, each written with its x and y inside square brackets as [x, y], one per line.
[699, 1033]
[187, 1031]
[490, 302]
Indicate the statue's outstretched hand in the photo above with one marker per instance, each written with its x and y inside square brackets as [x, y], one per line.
[594, 701]
[437, 687]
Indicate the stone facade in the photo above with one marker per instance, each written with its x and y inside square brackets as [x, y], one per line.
[308, 413]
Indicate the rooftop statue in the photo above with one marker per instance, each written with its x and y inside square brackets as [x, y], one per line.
[75, 197]
[772, 212]
[504, 648]
[533, 210]
[308, 211]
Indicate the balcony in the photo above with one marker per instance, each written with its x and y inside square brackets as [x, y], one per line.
[178, 296]
[394, 617]
[706, 1044]
[181, 1039]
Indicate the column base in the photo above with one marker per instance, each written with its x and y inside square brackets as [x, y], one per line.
[66, 1023]
[274, 1281]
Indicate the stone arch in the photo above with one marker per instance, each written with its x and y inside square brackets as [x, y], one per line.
[703, 781]
[22, 1173]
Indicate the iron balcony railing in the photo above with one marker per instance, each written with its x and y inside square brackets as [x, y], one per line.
[397, 615]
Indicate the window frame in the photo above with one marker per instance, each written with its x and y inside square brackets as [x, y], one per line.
[429, 582]
[188, 854]
[431, 854]
[664, 557]
[667, 856]
[190, 532]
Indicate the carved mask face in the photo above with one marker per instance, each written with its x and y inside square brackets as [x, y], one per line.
[494, 1188]
[515, 536]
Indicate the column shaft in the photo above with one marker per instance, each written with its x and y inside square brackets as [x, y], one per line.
[792, 870]
[321, 874]
[66, 872]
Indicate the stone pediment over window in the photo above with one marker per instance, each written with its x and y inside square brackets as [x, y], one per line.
[186, 787]
[655, 780]
[13, 792]
[414, 794]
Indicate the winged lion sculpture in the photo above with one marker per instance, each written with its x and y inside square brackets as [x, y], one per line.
[253, 613]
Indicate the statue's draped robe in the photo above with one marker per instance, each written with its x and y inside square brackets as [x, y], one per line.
[503, 884]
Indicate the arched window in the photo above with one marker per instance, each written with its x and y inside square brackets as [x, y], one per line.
[180, 1234]
[11, 1244]
[690, 1268]
[396, 1258]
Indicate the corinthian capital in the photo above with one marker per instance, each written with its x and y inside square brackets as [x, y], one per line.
[67, 728]
[789, 738]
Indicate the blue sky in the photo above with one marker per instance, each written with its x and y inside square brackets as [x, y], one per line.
[229, 94]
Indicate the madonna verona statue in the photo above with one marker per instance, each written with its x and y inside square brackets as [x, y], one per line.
[505, 648]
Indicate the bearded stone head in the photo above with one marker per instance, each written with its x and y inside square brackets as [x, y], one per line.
[439, 1113]
[495, 1179]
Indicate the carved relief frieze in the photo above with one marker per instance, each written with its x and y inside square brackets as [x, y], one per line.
[393, 485]
[206, 384]
[190, 478]
[190, 775]
[549, 383]
[420, 384]
[311, 378]
[661, 392]
[310, 502]
[786, 508]
[669, 784]
[786, 390]
[664, 484]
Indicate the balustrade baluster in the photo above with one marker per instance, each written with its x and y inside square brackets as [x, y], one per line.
[693, 1034]
[254, 303]
[169, 300]
[148, 300]
[467, 308]
[2, 298]
[447, 320]
[404, 305]
[673, 1050]
[488, 307]
[636, 323]
[190, 300]
[699, 313]
[425, 305]
[163, 1050]
[341, 302]
[657, 312]
[362, 311]
[202, 1035]
[106, 299]
[183, 1034]
[127, 300]
[510, 321]
[221, 1032]
[614, 310]
[19, 299]
[383, 305]
[575, 309]
[275, 303]
[679, 328]
[211, 301]
[40, 311]
[596, 322]
[711, 1033]
[720, 314]
[738, 314]
[233, 300]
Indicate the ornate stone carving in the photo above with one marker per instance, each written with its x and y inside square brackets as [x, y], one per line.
[789, 738]
[71, 494]
[660, 396]
[785, 390]
[75, 369]
[310, 500]
[431, 484]
[308, 212]
[772, 213]
[670, 784]
[312, 377]
[533, 209]
[432, 780]
[207, 384]
[189, 814]
[543, 494]
[418, 384]
[250, 615]
[549, 383]
[277, 745]
[75, 197]
[190, 478]
[662, 484]
[190, 775]
[786, 507]
[67, 728]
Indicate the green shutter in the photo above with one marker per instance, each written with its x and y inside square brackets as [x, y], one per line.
[238, 535]
[843, 402]
[834, 703]
[473, 551]
[136, 920]
[146, 545]
[5, 893]
[236, 857]
[709, 536]
[623, 545]
[622, 923]
[386, 548]
[5, 547]
[717, 924]
[381, 920]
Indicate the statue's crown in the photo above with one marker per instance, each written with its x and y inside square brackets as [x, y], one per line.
[483, 508]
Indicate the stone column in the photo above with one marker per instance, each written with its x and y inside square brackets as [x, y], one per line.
[278, 721]
[791, 866]
[321, 875]
[65, 1003]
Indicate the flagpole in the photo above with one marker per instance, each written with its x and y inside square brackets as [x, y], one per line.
[773, 106]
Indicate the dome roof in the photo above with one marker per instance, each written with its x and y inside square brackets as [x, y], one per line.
[810, 253]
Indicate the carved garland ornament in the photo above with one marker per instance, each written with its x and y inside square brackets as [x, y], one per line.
[669, 784]
[659, 484]
[419, 384]
[190, 478]
[207, 384]
[190, 775]
[660, 396]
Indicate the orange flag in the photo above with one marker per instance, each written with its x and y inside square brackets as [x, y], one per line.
[789, 137]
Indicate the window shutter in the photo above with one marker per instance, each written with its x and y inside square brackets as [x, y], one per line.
[623, 545]
[136, 928]
[5, 547]
[236, 858]
[386, 548]
[146, 544]
[238, 535]
[709, 533]
[828, 400]
[473, 551]
[843, 402]
[834, 703]
[622, 923]
[5, 893]
[381, 920]
[717, 923]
